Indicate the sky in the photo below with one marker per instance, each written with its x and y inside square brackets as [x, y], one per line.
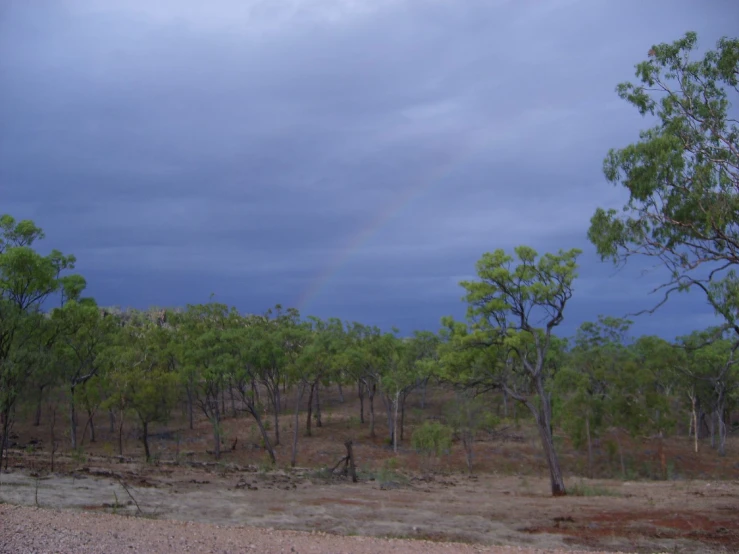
[350, 158]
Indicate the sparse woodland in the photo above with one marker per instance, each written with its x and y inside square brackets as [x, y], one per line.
[80, 371]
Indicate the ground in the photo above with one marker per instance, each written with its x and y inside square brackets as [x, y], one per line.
[506, 501]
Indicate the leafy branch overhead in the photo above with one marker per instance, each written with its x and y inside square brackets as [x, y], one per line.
[682, 175]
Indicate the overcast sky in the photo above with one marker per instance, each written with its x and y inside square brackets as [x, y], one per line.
[352, 158]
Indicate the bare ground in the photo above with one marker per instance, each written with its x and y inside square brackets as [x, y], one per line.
[490, 510]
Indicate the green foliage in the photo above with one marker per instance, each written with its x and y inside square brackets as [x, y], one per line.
[432, 439]
[682, 175]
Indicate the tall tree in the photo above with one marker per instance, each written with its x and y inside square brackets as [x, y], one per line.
[682, 175]
[27, 280]
[512, 297]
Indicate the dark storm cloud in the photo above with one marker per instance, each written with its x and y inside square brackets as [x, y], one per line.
[256, 148]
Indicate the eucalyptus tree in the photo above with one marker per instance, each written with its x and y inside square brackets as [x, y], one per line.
[506, 306]
[208, 350]
[711, 375]
[268, 353]
[27, 280]
[142, 379]
[585, 385]
[363, 360]
[682, 175]
[319, 357]
[84, 336]
[247, 373]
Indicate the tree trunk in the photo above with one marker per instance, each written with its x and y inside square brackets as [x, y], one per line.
[91, 421]
[190, 408]
[505, 404]
[621, 454]
[341, 393]
[372, 411]
[37, 415]
[72, 422]
[233, 400]
[145, 439]
[319, 423]
[4, 438]
[223, 402]
[424, 386]
[265, 436]
[296, 424]
[350, 460]
[695, 420]
[395, 422]
[120, 435]
[216, 422]
[467, 441]
[543, 415]
[360, 393]
[310, 410]
[402, 417]
[274, 393]
[590, 446]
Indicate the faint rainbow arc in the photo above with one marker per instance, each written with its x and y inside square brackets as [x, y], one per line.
[425, 184]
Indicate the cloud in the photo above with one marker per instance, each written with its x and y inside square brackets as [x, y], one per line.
[371, 151]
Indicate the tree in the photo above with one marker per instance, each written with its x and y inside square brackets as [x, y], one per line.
[710, 374]
[80, 349]
[27, 280]
[682, 175]
[209, 355]
[506, 305]
[585, 385]
[142, 380]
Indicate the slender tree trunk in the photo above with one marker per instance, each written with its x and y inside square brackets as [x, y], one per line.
[4, 438]
[223, 402]
[255, 391]
[265, 435]
[310, 410]
[276, 418]
[190, 408]
[695, 421]
[389, 406]
[216, 422]
[319, 423]
[296, 424]
[91, 420]
[372, 411]
[543, 415]
[621, 454]
[120, 434]
[395, 422]
[72, 421]
[590, 446]
[233, 400]
[360, 393]
[37, 415]
[341, 392]
[145, 439]
[505, 404]
[402, 417]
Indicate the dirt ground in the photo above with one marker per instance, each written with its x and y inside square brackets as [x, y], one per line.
[691, 504]
[688, 516]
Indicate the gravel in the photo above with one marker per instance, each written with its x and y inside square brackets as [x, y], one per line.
[37, 530]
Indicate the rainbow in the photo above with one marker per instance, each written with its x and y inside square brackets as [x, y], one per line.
[465, 150]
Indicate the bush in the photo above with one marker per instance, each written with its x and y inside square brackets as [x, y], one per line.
[432, 440]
